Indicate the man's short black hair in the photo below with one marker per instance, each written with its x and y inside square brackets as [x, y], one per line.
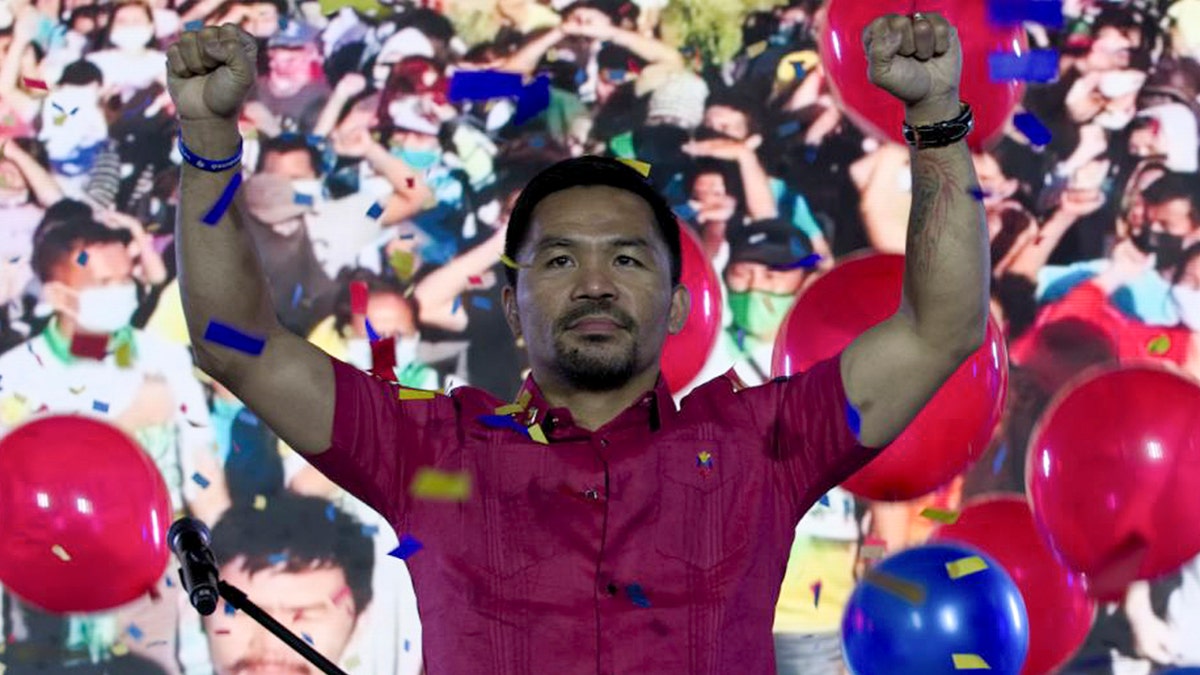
[80, 73]
[307, 532]
[289, 142]
[589, 170]
[67, 226]
[1174, 185]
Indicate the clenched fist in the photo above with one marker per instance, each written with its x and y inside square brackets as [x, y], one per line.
[918, 60]
[210, 71]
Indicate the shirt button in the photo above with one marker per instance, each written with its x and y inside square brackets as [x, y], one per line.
[604, 442]
[591, 494]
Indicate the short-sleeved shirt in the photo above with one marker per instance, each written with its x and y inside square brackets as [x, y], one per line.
[654, 544]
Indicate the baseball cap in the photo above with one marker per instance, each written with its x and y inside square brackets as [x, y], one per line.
[270, 198]
[773, 242]
[294, 35]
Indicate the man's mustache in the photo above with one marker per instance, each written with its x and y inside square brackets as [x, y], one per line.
[596, 309]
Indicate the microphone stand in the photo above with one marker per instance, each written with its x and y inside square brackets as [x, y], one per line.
[239, 600]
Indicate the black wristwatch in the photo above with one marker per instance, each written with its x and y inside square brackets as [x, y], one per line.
[941, 134]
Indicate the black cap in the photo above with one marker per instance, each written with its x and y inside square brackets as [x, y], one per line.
[774, 242]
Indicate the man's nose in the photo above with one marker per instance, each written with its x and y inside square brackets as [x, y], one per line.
[594, 280]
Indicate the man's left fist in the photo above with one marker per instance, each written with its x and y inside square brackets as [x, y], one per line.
[918, 60]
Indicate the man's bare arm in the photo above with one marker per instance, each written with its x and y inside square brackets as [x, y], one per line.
[891, 371]
[290, 384]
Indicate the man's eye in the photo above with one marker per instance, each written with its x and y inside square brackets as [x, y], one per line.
[555, 261]
[626, 260]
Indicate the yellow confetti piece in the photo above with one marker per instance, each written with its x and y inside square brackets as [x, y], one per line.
[969, 662]
[59, 120]
[77, 390]
[61, 553]
[941, 516]
[508, 409]
[415, 394]
[429, 483]
[641, 167]
[757, 48]
[524, 398]
[120, 649]
[964, 566]
[1159, 345]
[509, 262]
[535, 432]
[907, 590]
[352, 662]
[124, 356]
[260, 502]
[402, 263]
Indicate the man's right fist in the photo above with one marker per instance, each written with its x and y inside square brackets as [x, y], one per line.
[210, 71]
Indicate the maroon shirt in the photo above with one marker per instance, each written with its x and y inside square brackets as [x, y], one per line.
[623, 550]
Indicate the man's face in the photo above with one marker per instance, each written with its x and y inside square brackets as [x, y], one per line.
[995, 185]
[288, 65]
[261, 20]
[728, 121]
[295, 164]
[312, 604]
[746, 276]
[594, 252]
[1173, 217]
[709, 189]
[1112, 49]
[390, 316]
[106, 265]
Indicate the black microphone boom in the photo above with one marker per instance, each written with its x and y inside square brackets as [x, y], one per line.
[189, 539]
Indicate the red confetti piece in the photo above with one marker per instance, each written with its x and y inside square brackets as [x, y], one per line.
[383, 358]
[89, 346]
[31, 83]
[412, 182]
[358, 297]
[222, 631]
[475, 279]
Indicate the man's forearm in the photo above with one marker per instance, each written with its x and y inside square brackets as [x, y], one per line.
[946, 272]
[219, 272]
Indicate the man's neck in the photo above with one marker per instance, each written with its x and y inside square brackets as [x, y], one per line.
[593, 409]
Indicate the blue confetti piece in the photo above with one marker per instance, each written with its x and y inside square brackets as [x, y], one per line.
[230, 610]
[406, 645]
[58, 108]
[1032, 127]
[370, 530]
[502, 422]
[408, 546]
[457, 303]
[73, 111]
[741, 339]
[787, 129]
[482, 302]
[170, 584]
[999, 461]
[637, 596]
[807, 262]
[330, 512]
[375, 211]
[214, 214]
[233, 338]
[1038, 65]
[277, 558]
[306, 638]
[978, 193]
[297, 294]
[824, 500]
[372, 336]
[481, 85]
[135, 632]
[1015, 12]
[534, 99]
[407, 237]
[302, 199]
[685, 211]
[853, 419]
[82, 259]
[193, 25]
[100, 406]
[200, 480]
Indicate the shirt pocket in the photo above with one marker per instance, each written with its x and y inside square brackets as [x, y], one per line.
[702, 518]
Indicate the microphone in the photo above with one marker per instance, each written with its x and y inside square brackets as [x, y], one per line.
[189, 539]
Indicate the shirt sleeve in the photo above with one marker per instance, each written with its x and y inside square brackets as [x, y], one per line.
[379, 441]
[809, 433]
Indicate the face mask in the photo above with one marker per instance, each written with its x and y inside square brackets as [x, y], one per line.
[1113, 120]
[106, 309]
[131, 37]
[417, 159]
[760, 313]
[1187, 301]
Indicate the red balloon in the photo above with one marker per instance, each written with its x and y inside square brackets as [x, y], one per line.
[956, 425]
[1113, 474]
[1060, 611]
[880, 114]
[79, 497]
[685, 353]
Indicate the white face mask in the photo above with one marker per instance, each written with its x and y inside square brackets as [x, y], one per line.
[131, 37]
[1114, 120]
[106, 309]
[358, 352]
[1187, 301]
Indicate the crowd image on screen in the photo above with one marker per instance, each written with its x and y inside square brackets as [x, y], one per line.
[365, 168]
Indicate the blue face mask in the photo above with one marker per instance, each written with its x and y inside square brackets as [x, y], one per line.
[417, 159]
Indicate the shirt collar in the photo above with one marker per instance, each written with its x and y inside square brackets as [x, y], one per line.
[652, 409]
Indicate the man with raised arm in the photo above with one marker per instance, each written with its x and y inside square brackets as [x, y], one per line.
[605, 530]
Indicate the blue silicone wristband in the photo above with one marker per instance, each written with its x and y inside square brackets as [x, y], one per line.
[205, 164]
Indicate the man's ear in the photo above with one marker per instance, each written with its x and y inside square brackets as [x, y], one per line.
[681, 304]
[508, 299]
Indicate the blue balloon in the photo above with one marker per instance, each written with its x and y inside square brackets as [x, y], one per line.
[911, 616]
